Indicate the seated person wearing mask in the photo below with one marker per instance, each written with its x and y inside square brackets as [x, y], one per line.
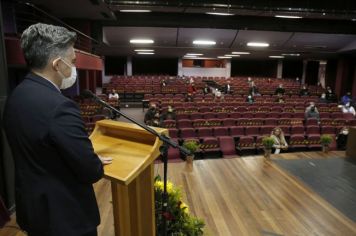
[250, 99]
[346, 98]
[312, 112]
[341, 139]
[152, 116]
[323, 99]
[168, 115]
[347, 108]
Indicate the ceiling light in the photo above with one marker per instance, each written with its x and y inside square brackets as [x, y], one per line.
[288, 17]
[194, 54]
[142, 41]
[144, 50]
[257, 44]
[276, 56]
[241, 53]
[220, 13]
[291, 54]
[231, 55]
[353, 19]
[224, 57]
[204, 42]
[128, 10]
[145, 53]
[190, 56]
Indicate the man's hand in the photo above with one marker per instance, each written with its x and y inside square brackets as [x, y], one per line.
[105, 160]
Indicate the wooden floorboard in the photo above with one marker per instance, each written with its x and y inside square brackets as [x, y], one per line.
[243, 196]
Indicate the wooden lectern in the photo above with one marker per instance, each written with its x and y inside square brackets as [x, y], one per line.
[131, 174]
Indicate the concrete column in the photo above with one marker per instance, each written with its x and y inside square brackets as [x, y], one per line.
[279, 69]
[321, 74]
[305, 63]
[180, 67]
[129, 66]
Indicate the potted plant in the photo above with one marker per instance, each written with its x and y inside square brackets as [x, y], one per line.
[267, 143]
[325, 141]
[192, 146]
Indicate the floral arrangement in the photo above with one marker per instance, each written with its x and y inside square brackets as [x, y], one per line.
[326, 139]
[179, 221]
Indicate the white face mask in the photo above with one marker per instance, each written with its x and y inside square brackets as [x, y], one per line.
[345, 132]
[68, 82]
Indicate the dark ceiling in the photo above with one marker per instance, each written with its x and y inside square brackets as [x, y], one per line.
[327, 28]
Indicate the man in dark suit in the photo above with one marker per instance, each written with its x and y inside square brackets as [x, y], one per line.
[227, 88]
[55, 164]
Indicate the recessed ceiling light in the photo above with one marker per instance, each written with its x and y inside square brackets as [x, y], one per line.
[204, 42]
[276, 56]
[291, 54]
[224, 57]
[194, 54]
[191, 56]
[353, 19]
[241, 53]
[257, 44]
[220, 13]
[145, 53]
[144, 50]
[128, 10]
[288, 17]
[231, 55]
[142, 41]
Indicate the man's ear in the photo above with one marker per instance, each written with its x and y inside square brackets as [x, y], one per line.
[55, 64]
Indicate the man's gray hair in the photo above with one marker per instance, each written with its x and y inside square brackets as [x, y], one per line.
[42, 42]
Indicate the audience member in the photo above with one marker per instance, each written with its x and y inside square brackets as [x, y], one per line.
[346, 98]
[191, 88]
[188, 97]
[152, 116]
[170, 114]
[249, 81]
[254, 90]
[312, 112]
[330, 95]
[323, 99]
[341, 138]
[250, 99]
[206, 89]
[279, 140]
[114, 95]
[218, 95]
[227, 88]
[347, 108]
[280, 90]
[279, 99]
[304, 91]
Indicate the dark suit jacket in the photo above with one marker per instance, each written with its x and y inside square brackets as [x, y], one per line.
[55, 164]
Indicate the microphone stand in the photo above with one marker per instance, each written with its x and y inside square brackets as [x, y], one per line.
[163, 149]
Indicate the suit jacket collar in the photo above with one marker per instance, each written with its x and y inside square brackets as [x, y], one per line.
[41, 80]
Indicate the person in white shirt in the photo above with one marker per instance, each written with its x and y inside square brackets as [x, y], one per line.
[347, 108]
[114, 95]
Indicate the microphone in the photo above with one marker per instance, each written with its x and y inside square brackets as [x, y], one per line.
[88, 94]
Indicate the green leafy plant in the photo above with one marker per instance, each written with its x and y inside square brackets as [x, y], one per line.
[178, 218]
[326, 139]
[268, 142]
[191, 145]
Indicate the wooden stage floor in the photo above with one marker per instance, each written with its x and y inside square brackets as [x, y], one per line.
[243, 196]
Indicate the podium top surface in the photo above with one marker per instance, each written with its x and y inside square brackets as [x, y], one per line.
[131, 147]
